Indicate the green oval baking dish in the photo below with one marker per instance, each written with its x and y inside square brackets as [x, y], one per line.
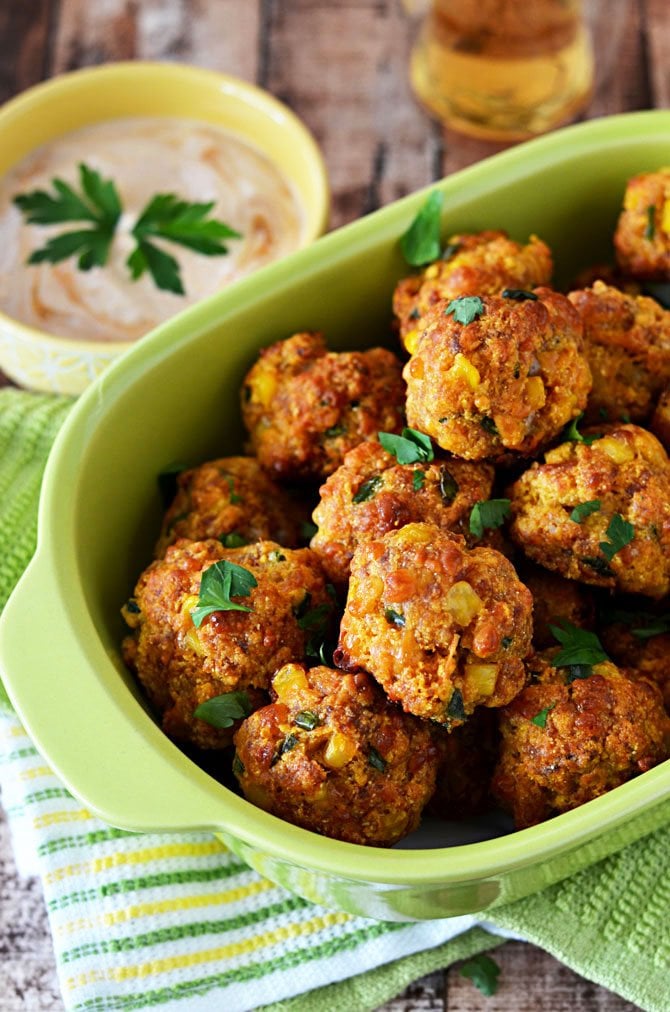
[174, 397]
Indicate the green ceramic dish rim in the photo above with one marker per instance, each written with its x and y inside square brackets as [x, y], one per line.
[207, 805]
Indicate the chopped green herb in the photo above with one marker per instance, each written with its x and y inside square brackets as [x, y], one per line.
[276, 556]
[233, 540]
[98, 204]
[307, 530]
[540, 719]
[598, 565]
[620, 534]
[420, 244]
[234, 497]
[455, 707]
[334, 431]
[414, 315]
[572, 433]
[584, 510]
[488, 425]
[238, 766]
[519, 295]
[483, 972]
[448, 486]
[650, 228]
[506, 642]
[307, 720]
[222, 711]
[394, 618]
[221, 582]
[488, 514]
[579, 646]
[132, 606]
[411, 447]
[376, 760]
[165, 216]
[418, 480]
[465, 308]
[167, 482]
[315, 622]
[289, 742]
[368, 489]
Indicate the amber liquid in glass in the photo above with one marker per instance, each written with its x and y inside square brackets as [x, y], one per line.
[502, 69]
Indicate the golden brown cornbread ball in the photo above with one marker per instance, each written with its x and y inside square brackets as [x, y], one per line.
[642, 237]
[180, 666]
[441, 627]
[627, 472]
[507, 381]
[599, 732]
[467, 758]
[555, 599]
[229, 498]
[304, 407]
[371, 494]
[482, 263]
[333, 755]
[627, 344]
[660, 419]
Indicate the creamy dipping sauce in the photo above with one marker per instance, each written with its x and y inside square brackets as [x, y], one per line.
[144, 157]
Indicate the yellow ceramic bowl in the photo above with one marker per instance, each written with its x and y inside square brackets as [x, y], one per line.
[43, 361]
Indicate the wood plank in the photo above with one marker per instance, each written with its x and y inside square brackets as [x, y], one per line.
[24, 54]
[343, 69]
[656, 41]
[220, 34]
[621, 76]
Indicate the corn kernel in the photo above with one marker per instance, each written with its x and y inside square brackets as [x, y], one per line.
[289, 681]
[480, 679]
[665, 218]
[410, 340]
[617, 451]
[417, 534]
[264, 388]
[535, 392]
[463, 369]
[431, 272]
[339, 751]
[192, 640]
[462, 603]
[189, 603]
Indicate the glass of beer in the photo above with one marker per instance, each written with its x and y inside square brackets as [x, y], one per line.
[501, 69]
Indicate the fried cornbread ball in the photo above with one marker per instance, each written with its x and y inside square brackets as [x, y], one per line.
[642, 237]
[625, 476]
[304, 406]
[627, 344]
[181, 666]
[333, 755]
[442, 628]
[468, 756]
[646, 655]
[507, 381]
[483, 263]
[371, 494]
[230, 498]
[660, 420]
[555, 599]
[565, 742]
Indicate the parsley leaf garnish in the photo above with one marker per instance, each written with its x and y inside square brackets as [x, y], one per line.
[418, 480]
[579, 646]
[224, 710]
[411, 447]
[483, 972]
[572, 433]
[420, 244]
[650, 229]
[98, 204]
[219, 583]
[540, 719]
[519, 295]
[620, 534]
[465, 308]
[584, 510]
[168, 217]
[487, 514]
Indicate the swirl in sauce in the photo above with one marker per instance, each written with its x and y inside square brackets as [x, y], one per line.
[143, 156]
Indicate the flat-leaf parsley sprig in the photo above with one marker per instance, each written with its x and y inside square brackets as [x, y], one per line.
[166, 217]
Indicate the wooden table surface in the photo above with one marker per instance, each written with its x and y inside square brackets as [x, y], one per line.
[341, 65]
